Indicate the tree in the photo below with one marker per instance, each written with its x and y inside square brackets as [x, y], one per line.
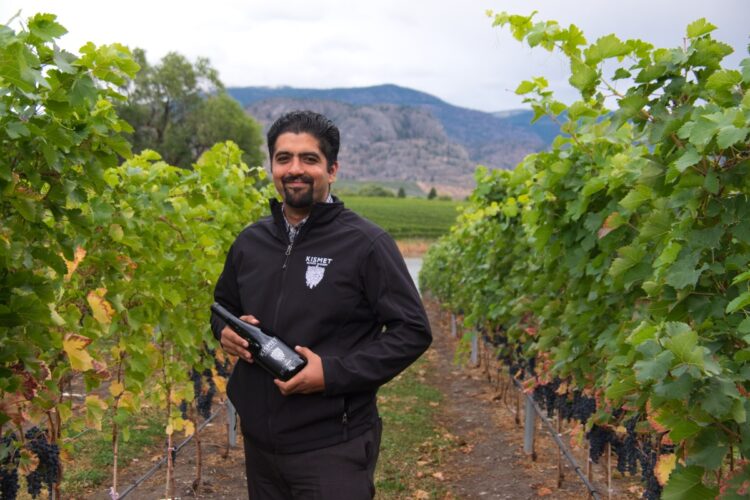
[180, 109]
[401, 192]
[432, 194]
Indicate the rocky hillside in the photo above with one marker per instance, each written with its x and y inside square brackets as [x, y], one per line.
[391, 133]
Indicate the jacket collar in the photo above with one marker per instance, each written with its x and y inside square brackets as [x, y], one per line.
[321, 213]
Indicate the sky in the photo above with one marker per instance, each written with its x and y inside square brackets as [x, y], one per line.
[447, 48]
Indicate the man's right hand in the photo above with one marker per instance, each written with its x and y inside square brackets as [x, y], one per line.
[236, 345]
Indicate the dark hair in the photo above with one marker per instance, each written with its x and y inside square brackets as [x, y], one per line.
[315, 124]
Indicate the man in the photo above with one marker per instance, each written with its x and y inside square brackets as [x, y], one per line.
[335, 287]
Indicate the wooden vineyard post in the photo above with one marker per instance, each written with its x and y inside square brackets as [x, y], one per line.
[454, 332]
[474, 358]
[529, 429]
[560, 475]
[609, 470]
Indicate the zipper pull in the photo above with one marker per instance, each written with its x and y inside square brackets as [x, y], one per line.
[288, 251]
[345, 419]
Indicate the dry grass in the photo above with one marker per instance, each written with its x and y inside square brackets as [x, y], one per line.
[414, 247]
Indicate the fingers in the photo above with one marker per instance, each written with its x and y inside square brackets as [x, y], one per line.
[234, 344]
[309, 380]
[249, 318]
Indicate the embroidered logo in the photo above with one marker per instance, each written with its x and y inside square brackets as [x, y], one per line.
[316, 268]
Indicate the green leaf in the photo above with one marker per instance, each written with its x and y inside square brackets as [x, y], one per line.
[83, 92]
[684, 273]
[719, 397]
[525, 87]
[738, 303]
[637, 197]
[44, 27]
[744, 326]
[711, 182]
[683, 342]
[708, 449]
[699, 28]
[620, 388]
[686, 483]
[724, 80]
[689, 158]
[668, 255]
[651, 370]
[731, 135]
[605, 48]
[629, 257]
[594, 185]
[643, 332]
[583, 77]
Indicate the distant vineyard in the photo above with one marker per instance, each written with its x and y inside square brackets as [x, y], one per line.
[407, 217]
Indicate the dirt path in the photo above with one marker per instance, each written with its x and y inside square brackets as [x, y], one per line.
[490, 462]
[487, 463]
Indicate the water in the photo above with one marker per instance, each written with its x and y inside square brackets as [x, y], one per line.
[414, 264]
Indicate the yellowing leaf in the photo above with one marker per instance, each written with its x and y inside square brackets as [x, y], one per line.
[116, 389]
[74, 346]
[95, 409]
[72, 265]
[421, 495]
[101, 309]
[664, 467]
[221, 384]
[170, 430]
[189, 428]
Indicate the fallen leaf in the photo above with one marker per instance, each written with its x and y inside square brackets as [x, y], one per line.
[438, 475]
[421, 495]
[543, 491]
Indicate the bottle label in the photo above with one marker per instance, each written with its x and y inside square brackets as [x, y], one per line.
[271, 348]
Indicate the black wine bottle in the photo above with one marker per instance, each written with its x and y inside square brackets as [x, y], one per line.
[268, 351]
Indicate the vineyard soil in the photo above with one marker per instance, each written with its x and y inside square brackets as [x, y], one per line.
[484, 460]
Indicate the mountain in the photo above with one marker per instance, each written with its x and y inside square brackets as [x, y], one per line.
[395, 133]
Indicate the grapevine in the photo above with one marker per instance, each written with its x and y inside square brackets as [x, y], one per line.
[619, 260]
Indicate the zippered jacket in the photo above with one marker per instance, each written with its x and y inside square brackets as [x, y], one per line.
[341, 289]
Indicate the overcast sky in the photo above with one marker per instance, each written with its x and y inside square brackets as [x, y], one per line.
[447, 48]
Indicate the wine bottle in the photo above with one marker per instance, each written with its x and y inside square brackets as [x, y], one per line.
[268, 351]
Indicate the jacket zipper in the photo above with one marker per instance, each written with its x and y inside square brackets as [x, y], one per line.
[278, 305]
[345, 420]
[288, 251]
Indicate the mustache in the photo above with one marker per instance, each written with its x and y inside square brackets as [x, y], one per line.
[297, 178]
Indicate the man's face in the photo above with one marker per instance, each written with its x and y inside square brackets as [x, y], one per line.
[300, 171]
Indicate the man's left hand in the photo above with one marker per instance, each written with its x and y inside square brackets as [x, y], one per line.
[309, 380]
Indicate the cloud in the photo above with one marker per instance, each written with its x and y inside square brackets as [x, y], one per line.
[444, 47]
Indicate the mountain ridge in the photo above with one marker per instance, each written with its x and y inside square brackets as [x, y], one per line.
[391, 132]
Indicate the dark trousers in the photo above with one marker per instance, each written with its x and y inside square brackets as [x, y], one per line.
[344, 471]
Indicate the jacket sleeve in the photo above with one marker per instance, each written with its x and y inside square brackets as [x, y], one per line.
[405, 334]
[226, 294]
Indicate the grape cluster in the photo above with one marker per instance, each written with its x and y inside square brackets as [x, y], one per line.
[203, 396]
[598, 438]
[627, 450]
[546, 396]
[48, 468]
[9, 467]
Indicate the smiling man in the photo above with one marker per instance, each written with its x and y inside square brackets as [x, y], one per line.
[335, 286]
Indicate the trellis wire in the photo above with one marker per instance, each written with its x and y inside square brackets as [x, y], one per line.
[158, 465]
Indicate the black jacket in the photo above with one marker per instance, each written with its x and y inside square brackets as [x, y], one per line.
[341, 289]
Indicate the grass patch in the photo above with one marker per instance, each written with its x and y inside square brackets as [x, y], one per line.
[412, 444]
[88, 459]
[407, 217]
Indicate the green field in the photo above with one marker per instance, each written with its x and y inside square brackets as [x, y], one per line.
[407, 217]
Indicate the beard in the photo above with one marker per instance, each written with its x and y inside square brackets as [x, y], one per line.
[296, 197]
